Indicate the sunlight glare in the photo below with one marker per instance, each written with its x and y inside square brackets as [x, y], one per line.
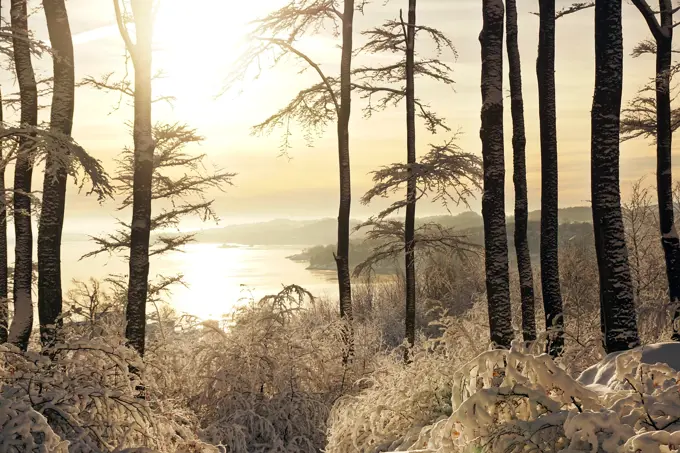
[194, 47]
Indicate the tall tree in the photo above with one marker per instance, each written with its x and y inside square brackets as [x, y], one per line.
[662, 31]
[344, 110]
[550, 272]
[329, 100]
[54, 184]
[493, 200]
[616, 288]
[385, 86]
[410, 220]
[4, 276]
[22, 323]
[140, 227]
[519, 176]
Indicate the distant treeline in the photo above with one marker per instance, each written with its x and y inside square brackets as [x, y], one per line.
[320, 257]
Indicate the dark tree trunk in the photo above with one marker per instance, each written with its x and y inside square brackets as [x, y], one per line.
[54, 184]
[616, 288]
[4, 301]
[526, 277]
[493, 200]
[550, 271]
[664, 175]
[409, 224]
[342, 254]
[138, 284]
[22, 323]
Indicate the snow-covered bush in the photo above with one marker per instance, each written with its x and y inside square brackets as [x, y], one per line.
[517, 400]
[265, 378]
[88, 396]
[398, 400]
[24, 430]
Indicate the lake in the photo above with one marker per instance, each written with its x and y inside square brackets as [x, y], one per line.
[218, 277]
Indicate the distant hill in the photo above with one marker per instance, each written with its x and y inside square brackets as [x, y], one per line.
[574, 214]
[276, 232]
[324, 231]
[462, 221]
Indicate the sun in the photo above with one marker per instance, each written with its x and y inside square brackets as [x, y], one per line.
[194, 46]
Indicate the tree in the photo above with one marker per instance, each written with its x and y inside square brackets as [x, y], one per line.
[519, 176]
[410, 221]
[390, 84]
[493, 200]
[140, 226]
[641, 228]
[4, 276]
[662, 31]
[342, 255]
[54, 184]
[22, 323]
[550, 272]
[178, 187]
[447, 173]
[275, 36]
[616, 289]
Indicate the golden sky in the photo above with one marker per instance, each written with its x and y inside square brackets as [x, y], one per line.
[196, 43]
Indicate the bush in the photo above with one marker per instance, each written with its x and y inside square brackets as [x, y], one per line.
[511, 401]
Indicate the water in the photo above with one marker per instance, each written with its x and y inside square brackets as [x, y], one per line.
[217, 277]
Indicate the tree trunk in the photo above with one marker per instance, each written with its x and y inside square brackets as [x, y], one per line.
[54, 184]
[22, 323]
[616, 288]
[664, 175]
[550, 271]
[493, 200]
[138, 284]
[409, 224]
[342, 254]
[4, 301]
[526, 277]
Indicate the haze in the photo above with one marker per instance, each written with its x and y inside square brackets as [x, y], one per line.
[305, 186]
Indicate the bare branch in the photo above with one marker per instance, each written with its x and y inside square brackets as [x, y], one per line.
[644, 47]
[650, 18]
[122, 28]
[287, 46]
[574, 8]
[445, 171]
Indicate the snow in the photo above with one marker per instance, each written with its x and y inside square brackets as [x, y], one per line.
[502, 401]
[602, 376]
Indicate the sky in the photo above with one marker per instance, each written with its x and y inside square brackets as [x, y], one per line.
[197, 42]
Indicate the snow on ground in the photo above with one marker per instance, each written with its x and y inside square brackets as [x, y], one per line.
[602, 376]
[517, 400]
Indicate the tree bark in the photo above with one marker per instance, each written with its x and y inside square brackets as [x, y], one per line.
[138, 284]
[4, 300]
[550, 271]
[493, 200]
[54, 184]
[409, 224]
[342, 253]
[616, 288]
[22, 323]
[664, 174]
[526, 276]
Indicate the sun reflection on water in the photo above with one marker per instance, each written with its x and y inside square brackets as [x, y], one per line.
[220, 278]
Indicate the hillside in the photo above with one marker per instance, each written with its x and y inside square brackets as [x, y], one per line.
[323, 231]
[276, 232]
[568, 215]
